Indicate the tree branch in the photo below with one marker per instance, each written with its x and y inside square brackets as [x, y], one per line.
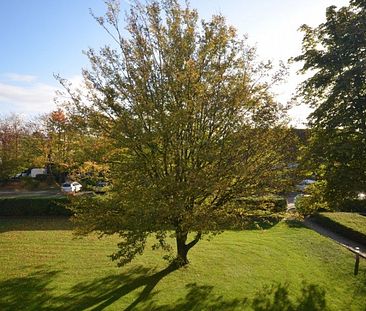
[194, 241]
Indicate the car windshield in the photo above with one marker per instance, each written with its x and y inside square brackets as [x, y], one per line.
[66, 185]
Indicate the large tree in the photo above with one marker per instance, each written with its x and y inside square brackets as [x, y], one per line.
[335, 54]
[193, 123]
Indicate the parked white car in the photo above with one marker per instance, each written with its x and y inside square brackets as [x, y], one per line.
[31, 173]
[71, 187]
[37, 171]
[303, 184]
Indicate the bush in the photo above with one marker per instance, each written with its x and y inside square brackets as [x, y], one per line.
[34, 206]
[29, 183]
[272, 204]
[313, 200]
[309, 205]
[318, 198]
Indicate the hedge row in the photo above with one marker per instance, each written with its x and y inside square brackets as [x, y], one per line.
[34, 206]
[358, 206]
[55, 205]
[266, 203]
[339, 228]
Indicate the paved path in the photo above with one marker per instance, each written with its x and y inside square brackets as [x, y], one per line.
[290, 201]
[349, 244]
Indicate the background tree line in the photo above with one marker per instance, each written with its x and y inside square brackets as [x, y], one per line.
[50, 141]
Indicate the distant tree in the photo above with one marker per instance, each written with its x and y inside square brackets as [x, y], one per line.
[192, 123]
[48, 141]
[13, 157]
[335, 55]
[60, 145]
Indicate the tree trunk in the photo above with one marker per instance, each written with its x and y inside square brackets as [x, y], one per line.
[183, 248]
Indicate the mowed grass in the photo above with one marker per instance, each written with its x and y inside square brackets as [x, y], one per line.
[45, 267]
[354, 221]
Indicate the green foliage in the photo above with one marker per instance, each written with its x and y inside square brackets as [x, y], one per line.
[313, 200]
[333, 50]
[192, 122]
[271, 204]
[34, 206]
[13, 151]
[333, 53]
[29, 183]
[337, 158]
[254, 213]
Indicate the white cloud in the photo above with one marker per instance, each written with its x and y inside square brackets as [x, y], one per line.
[22, 94]
[35, 98]
[20, 77]
[31, 99]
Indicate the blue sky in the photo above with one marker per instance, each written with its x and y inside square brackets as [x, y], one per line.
[43, 37]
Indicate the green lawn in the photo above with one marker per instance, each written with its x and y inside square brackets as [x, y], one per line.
[44, 267]
[353, 221]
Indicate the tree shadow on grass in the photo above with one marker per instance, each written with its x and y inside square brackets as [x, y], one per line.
[198, 298]
[32, 292]
[35, 292]
[277, 298]
[295, 223]
[99, 294]
[270, 298]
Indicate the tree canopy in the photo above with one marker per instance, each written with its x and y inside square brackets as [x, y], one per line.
[335, 54]
[192, 121]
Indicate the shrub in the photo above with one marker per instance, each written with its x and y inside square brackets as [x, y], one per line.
[266, 203]
[313, 200]
[34, 206]
[256, 212]
[29, 183]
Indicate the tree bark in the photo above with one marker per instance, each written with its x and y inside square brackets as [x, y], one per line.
[183, 248]
[182, 251]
